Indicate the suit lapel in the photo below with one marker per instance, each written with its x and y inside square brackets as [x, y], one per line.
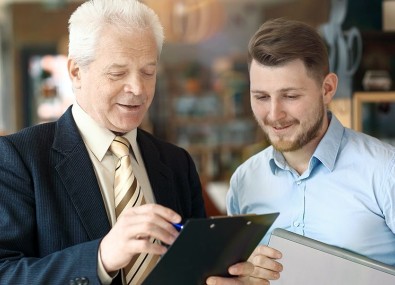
[76, 171]
[160, 176]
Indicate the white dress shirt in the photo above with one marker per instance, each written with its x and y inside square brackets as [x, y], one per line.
[97, 140]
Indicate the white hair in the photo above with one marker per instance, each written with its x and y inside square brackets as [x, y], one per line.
[88, 20]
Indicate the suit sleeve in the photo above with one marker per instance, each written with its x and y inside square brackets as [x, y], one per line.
[198, 207]
[23, 259]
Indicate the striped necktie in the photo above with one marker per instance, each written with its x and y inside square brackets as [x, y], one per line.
[128, 193]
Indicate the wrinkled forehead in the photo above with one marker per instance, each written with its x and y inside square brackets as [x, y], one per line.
[135, 42]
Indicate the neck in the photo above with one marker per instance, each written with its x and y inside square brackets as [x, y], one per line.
[118, 133]
[299, 159]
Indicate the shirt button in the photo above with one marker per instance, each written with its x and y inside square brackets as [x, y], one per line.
[296, 224]
[298, 182]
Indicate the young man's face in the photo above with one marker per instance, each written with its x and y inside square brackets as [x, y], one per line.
[117, 88]
[289, 105]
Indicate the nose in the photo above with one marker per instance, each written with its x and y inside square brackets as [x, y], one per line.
[276, 111]
[134, 85]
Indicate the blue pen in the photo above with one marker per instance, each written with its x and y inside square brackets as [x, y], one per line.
[178, 226]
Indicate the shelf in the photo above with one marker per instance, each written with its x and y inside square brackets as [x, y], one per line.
[210, 116]
[378, 36]
[378, 53]
[368, 97]
[183, 119]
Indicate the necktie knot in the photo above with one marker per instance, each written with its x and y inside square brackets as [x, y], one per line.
[120, 147]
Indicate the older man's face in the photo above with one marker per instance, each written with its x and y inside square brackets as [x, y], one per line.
[117, 88]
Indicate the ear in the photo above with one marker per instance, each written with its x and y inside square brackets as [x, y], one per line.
[74, 73]
[329, 87]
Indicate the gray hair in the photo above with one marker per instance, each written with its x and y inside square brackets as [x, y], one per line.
[87, 21]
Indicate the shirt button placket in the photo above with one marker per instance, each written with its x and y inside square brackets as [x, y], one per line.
[298, 222]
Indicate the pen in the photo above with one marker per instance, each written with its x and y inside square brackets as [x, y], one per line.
[178, 226]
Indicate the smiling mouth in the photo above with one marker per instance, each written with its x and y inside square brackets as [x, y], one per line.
[129, 106]
[279, 128]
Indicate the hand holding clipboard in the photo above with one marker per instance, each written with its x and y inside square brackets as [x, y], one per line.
[207, 247]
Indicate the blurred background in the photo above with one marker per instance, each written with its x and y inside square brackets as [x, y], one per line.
[202, 95]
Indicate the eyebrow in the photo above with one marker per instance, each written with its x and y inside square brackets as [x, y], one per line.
[117, 65]
[282, 90]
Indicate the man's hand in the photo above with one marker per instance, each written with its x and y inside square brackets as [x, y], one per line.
[260, 268]
[131, 233]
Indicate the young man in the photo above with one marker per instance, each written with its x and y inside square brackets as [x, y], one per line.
[61, 221]
[328, 182]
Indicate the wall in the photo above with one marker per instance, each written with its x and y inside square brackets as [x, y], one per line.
[34, 28]
[242, 20]
[312, 12]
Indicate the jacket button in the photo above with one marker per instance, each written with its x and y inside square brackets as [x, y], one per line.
[79, 281]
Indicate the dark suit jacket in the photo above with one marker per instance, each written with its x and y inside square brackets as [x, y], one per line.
[52, 215]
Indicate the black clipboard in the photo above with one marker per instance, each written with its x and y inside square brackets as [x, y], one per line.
[207, 247]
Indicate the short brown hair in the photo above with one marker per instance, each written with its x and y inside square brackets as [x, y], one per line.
[280, 41]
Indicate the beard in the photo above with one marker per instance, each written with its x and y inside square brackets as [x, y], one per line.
[308, 131]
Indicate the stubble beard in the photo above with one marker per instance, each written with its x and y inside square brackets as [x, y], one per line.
[308, 133]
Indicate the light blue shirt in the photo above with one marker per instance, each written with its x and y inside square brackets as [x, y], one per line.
[345, 198]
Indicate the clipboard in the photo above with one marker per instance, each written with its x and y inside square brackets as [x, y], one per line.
[309, 262]
[207, 247]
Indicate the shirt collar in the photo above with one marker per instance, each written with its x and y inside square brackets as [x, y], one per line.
[276, 160]
[328, 148]
[326, 151]
[131, 136]
[97, 138]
